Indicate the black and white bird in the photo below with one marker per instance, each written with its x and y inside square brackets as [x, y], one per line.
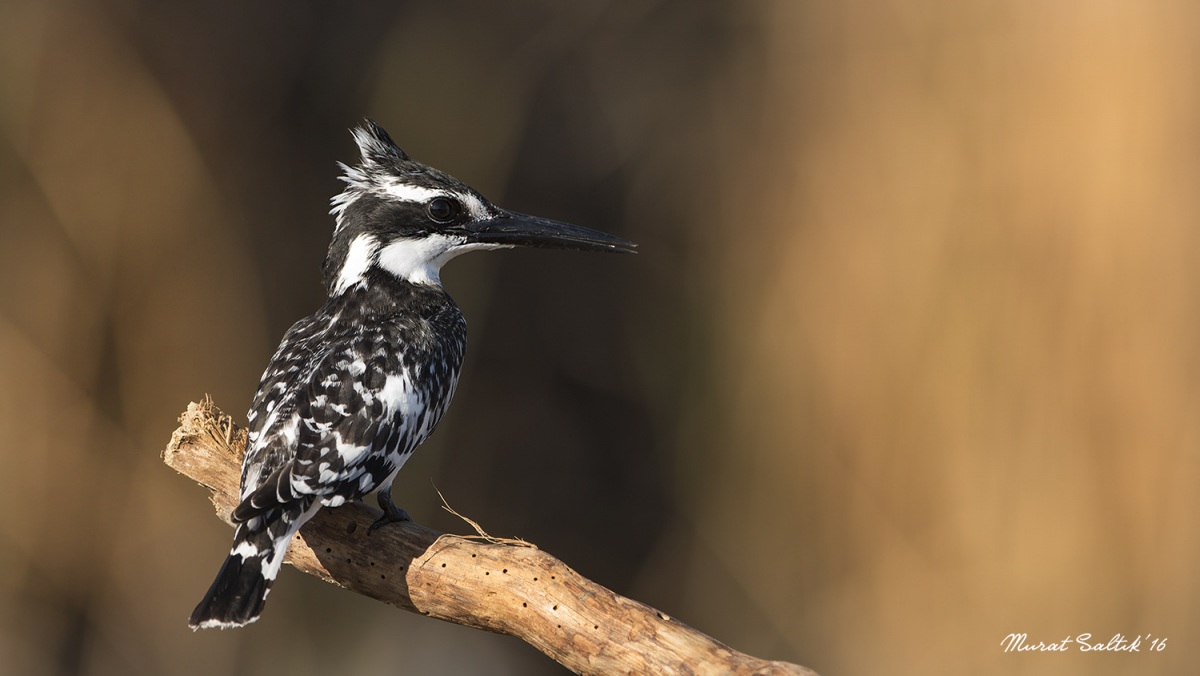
[353, 389]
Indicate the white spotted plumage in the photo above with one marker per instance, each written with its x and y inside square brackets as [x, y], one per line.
[351, 391]
[354, 388]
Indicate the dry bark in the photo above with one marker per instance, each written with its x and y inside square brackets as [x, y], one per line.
[509, 587]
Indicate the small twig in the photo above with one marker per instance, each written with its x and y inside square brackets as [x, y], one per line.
[477, 581]
[482, 534]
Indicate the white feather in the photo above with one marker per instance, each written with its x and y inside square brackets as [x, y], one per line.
[411, 193]
[420, 260]
[397, 394]
[358, 260]
[270, 567]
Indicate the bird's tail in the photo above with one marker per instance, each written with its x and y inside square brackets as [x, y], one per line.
[237, 596]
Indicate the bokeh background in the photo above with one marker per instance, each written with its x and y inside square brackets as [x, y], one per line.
[908, 360]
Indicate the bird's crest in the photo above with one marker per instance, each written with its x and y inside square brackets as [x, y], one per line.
[381, 161]
[386, 171]
[375, 145]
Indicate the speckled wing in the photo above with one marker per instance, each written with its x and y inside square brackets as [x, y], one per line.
[361, 421]
[275, 415]
[347, 429]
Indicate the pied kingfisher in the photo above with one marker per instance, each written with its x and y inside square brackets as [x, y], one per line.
[354, 388]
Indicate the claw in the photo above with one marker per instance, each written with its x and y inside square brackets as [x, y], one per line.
[391, 513]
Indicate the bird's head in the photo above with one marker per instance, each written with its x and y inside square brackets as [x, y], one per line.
[408, 219]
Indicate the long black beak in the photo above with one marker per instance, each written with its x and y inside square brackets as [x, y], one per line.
[516, 229]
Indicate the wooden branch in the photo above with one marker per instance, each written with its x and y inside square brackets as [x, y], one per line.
[507, 587]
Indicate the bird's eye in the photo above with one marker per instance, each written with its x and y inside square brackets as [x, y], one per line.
[442, 209]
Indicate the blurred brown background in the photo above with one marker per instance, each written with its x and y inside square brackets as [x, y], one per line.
[907, 361]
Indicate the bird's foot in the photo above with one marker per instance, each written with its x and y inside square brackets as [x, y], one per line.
[391, 513]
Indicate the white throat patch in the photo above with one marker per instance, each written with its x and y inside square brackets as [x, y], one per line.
[420, 260]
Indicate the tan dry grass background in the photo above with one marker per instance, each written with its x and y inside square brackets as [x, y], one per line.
[907, 362]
